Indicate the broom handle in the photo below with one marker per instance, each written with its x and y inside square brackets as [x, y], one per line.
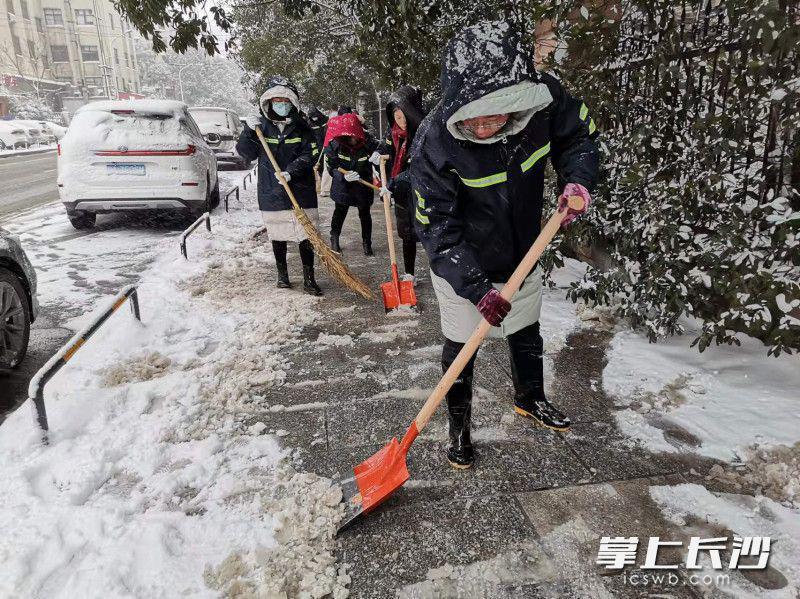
[509, 289]
[388, 213]
[278, 170]
[344, 171]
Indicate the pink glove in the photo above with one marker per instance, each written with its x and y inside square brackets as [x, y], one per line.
[573, 189]
[494, 308]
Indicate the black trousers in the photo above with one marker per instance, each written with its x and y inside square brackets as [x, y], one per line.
[340, 213]
[527, 362]
[279, 249]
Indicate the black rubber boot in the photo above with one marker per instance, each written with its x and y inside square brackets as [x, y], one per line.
[459, 410]
[283, 276]
[309, 284]
[335, 243]
[368, 247]
[527, 369]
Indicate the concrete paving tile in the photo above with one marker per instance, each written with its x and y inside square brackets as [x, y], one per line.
[400, 546]
[570, 523]
[602, 448]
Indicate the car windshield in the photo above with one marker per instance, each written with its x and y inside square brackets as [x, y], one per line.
[208, 117]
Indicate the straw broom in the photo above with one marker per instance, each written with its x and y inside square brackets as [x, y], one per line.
[330, 259]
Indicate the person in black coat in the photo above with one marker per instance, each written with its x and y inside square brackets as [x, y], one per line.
[478, 180]
[295, 148]
[350, 148]
[404, 114]
[319, 125]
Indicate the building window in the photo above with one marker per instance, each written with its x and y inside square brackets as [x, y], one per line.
[84, 16]
[45, 60]
[10, 7]
[39, 25]
[90, 54]
[24, 6]
[94, 81]
[60, 53]
[17, 46]
[53, 16]
[111, 20]
[32, 50]
[116, 56]
[127, 56]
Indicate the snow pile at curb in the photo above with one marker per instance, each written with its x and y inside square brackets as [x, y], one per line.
[141, 368]
[774, 473]
[306, 510]
[152, 476]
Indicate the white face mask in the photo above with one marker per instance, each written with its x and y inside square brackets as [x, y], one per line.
[282, 108]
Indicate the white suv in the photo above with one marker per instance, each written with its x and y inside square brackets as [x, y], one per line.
[135, 155]
[221, 128]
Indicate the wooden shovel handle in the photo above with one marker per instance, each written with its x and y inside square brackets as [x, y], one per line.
[387, 211]
[482, 330]
[344, 171]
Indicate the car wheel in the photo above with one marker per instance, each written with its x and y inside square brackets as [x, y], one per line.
[15, 320]
[2, 145]
[82, 220]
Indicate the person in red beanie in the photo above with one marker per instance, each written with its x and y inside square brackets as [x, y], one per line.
[349, 147]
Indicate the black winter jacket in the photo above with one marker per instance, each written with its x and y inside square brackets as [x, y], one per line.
[296, 151]
[319, 123]
[351, 193]
[409, 100]
[479, 206]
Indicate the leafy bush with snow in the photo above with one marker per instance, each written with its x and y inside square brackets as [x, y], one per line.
[699, 208]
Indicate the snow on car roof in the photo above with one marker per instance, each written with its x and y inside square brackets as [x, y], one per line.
[209, 108]
[161, 106]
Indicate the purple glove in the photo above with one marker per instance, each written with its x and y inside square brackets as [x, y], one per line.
[573, 189]
[494, 307]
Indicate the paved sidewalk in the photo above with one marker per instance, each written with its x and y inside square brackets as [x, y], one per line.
[527, 519]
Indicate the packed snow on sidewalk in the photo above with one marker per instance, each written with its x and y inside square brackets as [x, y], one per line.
[152, 485]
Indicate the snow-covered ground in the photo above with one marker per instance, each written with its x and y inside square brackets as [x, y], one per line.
[151, 485]
[728, 398]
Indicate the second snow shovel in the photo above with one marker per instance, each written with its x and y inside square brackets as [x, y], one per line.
[380, 475]
[396, 293]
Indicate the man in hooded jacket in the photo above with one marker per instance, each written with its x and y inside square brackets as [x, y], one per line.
[478, 180]
[295, 148]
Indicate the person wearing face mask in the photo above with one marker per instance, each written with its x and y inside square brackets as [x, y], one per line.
[294, 146]
[478, 180]
[349, 147]
[404, 114]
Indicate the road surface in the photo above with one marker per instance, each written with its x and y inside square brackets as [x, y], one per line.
[29, 180]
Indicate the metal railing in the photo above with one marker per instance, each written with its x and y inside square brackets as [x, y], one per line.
[248, 176]
[229, 194]
[205, 217]
[57, 362]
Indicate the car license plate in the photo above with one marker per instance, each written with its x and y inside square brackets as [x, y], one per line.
[119, 168]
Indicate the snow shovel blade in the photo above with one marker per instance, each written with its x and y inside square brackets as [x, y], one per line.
[391, 301]
[376, 478]
[408, 297]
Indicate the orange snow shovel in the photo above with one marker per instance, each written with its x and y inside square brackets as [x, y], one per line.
[380, 475]
[396, 293]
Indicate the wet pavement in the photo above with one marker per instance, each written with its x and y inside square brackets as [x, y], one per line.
[548, 497]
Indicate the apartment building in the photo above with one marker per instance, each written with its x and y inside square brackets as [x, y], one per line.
[66, 48]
